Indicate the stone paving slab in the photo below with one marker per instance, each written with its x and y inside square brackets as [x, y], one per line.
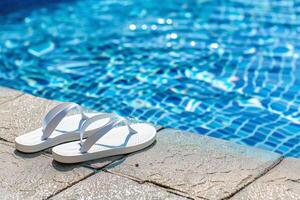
[21, 115]
[8, 94]
[282, 182]
[106, 186]
[201, 166]
[34, 176]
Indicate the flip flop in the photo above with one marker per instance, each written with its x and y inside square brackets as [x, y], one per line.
[110, 140]
[59, 128]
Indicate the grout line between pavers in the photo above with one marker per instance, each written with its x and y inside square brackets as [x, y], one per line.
[262, 174]
[4, 140]
[12, 99]
[69, 186]
[7, 143]
[174, 191]
[159, 185]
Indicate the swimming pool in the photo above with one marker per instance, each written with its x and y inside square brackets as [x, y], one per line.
[227, 69]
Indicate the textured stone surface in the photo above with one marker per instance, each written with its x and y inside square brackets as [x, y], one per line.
[108, 186]
[8, 94]
[200, 166]
[282, 182]
[21, 115]
[34, 176]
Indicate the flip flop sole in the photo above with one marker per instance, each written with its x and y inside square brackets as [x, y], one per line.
[116, 142]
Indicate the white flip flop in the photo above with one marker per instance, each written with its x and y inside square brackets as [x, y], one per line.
[59, 128]
[110, 140]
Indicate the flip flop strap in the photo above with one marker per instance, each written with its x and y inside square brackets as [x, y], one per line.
[91, 120]
[114, 121]
[55, 116]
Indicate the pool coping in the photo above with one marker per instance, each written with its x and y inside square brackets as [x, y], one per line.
[188, 166]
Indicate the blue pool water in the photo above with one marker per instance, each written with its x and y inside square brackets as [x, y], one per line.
[228, 69]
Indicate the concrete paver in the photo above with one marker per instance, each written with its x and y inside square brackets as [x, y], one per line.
[197, 165]
[34, 176]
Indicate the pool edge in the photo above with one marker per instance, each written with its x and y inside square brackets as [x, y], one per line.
[224, 167]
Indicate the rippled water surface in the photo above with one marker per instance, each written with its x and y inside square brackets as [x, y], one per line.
[227, 69]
